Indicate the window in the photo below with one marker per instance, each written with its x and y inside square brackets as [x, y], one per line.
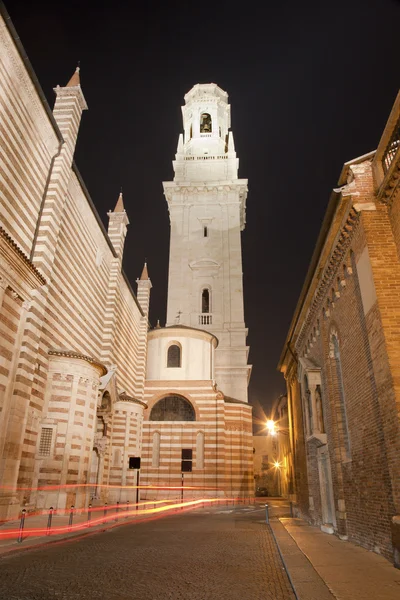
[186, 462]
[200, 450]
[205, 123]
[191, 132]
[205, 301]
[155, 459]
[205, 231]
[173, 408]
[46, 437]
[174, 356]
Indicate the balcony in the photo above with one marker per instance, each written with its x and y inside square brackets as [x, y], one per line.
[391, 149]
[205, 319]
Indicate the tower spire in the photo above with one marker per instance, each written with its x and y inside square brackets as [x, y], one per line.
[145, 274]
[119, 207]
[75, 79]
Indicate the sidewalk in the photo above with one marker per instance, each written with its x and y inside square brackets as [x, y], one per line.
[322, 567]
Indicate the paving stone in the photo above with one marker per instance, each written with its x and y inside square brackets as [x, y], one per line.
[194, 556]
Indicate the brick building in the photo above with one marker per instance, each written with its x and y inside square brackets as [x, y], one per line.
[74, 335]
[341, 358]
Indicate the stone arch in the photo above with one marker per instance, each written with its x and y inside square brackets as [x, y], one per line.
[205, 123]
[173, 392]
[173, 407]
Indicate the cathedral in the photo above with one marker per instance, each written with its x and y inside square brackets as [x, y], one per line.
[93, 400]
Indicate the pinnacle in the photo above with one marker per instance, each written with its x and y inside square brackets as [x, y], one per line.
[145, 274]
[119, 207]
[75, 79]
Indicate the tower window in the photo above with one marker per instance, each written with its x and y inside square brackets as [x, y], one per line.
[205, 123]
[205, 231]
[191, 132]
[205, 301]
[174, 356]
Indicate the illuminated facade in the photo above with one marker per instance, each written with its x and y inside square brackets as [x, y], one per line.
[201, 354]
[341, 358]
[73, 334]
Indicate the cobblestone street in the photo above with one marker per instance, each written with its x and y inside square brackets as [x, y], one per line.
[224, 554]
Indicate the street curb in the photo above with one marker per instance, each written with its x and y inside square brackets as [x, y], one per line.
[283, 560]
[306, 582]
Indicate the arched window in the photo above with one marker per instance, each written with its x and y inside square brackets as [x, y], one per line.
[105, 401]
[155, 458]
[342, 412]
[173, 408]
[205, 123]
[205, 301]
[174, 356]
[191, 132]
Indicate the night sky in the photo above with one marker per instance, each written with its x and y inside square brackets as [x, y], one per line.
[311, 85]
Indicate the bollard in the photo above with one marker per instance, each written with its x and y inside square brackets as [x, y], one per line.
[89, 514]
[266, 514]
[127, 507]
[105, 512]
[71, 516]
[116, 512]
[291, 509]
[49, 520]
[21, 525]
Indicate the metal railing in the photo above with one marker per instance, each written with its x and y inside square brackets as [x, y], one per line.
[392, 148]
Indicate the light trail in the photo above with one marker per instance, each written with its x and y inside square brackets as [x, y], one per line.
[121, 516]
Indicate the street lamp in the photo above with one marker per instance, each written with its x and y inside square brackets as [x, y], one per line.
[271, 426]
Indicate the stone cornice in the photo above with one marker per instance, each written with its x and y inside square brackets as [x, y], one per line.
[13, 254]
[79, 356]
[340, 248]
[73, 91]
[125, 398]
[187, 189]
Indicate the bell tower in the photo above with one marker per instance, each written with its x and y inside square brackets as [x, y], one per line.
[207, 204]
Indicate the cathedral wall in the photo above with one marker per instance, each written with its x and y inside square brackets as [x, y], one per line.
[130, 343]
[29, 141]
[224, 466]
[163, 468]
[79, 285]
